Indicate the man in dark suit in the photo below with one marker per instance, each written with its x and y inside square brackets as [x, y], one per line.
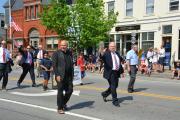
[112, 70]
[64, 72]
[27, 64]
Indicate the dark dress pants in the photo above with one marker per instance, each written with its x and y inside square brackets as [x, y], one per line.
[132, 77]
[64, 85]
[4, 75]
[27, 68]
[113, 84]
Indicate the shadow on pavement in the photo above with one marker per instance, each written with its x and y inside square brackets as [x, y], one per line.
[82, 105]
[122, 99]
[22, 86]
[140, 89]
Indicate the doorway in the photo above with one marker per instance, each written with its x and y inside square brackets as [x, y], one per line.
[167, 43]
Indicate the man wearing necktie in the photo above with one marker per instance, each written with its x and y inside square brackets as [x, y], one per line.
[4, 58]
[27, 63]
[112, 70]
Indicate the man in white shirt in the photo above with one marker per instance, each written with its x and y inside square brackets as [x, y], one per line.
[39, 58]
[4, 58]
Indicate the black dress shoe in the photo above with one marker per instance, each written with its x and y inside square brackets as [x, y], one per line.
[116, 103]
[104, 98]
[34, 85]
[65, 108]
[18, 85]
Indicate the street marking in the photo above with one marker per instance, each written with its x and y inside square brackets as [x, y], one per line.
[49, 109]
[49, 93]
[135, 93]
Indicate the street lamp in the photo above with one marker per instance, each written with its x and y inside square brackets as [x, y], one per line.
[6, 28]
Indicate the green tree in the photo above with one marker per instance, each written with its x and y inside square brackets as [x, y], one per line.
[85, 20]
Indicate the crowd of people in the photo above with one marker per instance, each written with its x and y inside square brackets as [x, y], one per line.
[108, 61]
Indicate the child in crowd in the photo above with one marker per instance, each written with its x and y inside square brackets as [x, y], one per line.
[46, 65]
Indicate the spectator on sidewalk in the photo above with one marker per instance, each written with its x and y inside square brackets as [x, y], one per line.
[81, 64]
[176, 71]
[161, 58]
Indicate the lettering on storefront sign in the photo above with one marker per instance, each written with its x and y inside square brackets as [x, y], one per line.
[125, 28]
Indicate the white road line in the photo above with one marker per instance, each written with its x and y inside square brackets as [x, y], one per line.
[48, 93]
[49, 109]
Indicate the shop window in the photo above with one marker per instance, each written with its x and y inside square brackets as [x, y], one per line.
[174, 5]
[167, 29]
[2, 23]
[129, 7]
[147, 40]
[51, 43]
[149, 6]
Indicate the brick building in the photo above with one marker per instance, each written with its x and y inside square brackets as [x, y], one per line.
[25, 13]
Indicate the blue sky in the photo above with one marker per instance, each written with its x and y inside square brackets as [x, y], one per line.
[1, 5]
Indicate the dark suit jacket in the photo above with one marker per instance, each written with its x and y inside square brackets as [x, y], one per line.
[108, 64]
[59, 63]
[24, 56]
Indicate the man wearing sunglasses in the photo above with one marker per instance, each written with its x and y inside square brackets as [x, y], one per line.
[27, 63]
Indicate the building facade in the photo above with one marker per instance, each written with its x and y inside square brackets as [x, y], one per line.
[30, 31]
[2, 30]
[152, 22]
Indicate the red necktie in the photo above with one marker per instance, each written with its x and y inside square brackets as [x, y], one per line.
[4, 55]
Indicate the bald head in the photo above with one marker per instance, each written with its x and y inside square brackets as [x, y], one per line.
[40, 47]
[112, 46]
[63, 45]
[3, 43]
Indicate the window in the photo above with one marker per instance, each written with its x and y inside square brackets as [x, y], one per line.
[174, 5]
[149, 6]
[36, 11]
[52, 43]
[110, 7]
[167, 29]
[32, 12]
[2, 24]
[147, 40]
[26, 13]
[129, 7]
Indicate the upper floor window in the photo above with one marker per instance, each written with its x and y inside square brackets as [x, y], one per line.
[129, 7]
[149, 6]
[174, 5]
[36, 11]
[32, 12]
[110, 7]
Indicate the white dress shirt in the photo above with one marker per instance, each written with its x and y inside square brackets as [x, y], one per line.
[7, 55]
[40, 54]
[113, 55]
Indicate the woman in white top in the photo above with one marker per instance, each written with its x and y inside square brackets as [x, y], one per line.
[161, 58]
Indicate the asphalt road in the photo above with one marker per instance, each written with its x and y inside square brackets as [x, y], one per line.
[154, 99]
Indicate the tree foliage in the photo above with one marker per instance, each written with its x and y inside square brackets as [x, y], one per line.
[87, 19]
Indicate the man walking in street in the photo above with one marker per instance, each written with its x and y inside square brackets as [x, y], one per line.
[4, 58]
[112, 70]
[64, 72]
[132, 62]
[27, 64]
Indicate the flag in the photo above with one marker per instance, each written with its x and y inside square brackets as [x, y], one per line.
[15, 43]
[15, 26]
